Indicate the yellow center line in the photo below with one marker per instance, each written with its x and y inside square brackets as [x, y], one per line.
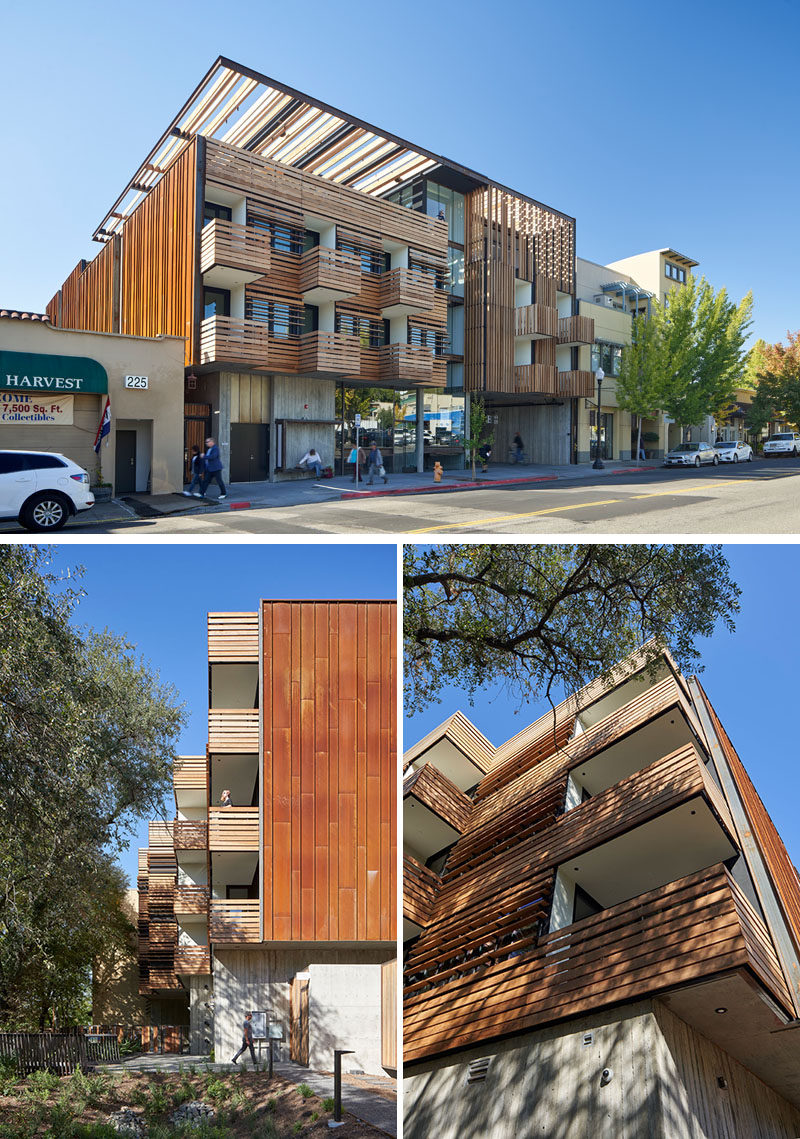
[577, 506]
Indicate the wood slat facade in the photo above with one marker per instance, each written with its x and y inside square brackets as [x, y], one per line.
[420, 887]
[232, 638]
[430, 787]
[233, 730]
[329, 773]
[233, 828]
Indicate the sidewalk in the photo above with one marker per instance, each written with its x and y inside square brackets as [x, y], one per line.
[265, 495]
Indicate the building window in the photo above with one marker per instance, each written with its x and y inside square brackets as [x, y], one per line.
[606, 356]
[216, 302]
[455, 271]
[284, 238]
[282, 319]
[370, 332]
[372, 260]
[212, 210]
[434, 338]
[674, 272]
[606, 435]
[439, 275]
[442, 202]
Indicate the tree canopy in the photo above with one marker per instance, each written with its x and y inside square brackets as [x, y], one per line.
[639, 380]
[777, 371]
[539, 619]
[87, 738]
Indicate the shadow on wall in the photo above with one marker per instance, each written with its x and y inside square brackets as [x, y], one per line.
[345, 1012]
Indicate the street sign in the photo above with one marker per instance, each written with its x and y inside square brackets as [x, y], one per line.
[358, 419]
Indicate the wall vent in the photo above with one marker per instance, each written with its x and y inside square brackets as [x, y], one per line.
[478, 1069]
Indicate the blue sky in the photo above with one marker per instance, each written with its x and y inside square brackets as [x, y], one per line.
[751, 677]
[653, 124]
[159, 595]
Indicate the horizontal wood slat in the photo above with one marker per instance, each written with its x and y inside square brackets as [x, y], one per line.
[333, 269]
[190, 773]
[190, 834]
[410, 363]
[191, 900]
[463, 735]
[234, 246]
[407, 287]
[233, 828]
[193, 961]
[233, 921]
[429, 786]
[233, 730]
[420, 886]
[232, 637]
[329, 354]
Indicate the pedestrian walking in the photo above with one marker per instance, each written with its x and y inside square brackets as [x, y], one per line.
[213, 469]
[375, 464]
[519, 449]
[485, 452]
[312, 459]
[198, 470]
[225, 799]
[247, 1039]
[357, 457]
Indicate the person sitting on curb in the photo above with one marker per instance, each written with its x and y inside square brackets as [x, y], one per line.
[312, 459]
[375, 464]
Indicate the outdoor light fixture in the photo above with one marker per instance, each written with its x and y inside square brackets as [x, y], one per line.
[720, 1009]
[598, 464]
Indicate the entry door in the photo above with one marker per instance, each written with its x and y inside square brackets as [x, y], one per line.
[125, 465]
[298, 1034]
[249, 452]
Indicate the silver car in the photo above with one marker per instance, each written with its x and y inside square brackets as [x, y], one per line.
[691, 455]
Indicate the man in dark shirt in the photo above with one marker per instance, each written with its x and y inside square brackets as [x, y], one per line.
[247, 1039]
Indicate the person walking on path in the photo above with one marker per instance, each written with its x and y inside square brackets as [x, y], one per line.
[312, 459]
[519, 449]
[485, 452]
[198, 469]
[247, 1039]
[375, 464]
[213, 469]
[357, 457]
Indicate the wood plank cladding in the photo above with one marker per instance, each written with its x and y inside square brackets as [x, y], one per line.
[158, 257]
[190, 773]
[684, 931]
[233, 921]
[234, 246]
[233, 828]
[232, 637]
[233, 730]
[458, 731]
[509, 238]
[430, 787]
[329, 770]
[420, 887]
[89, 298]
[389, 1014]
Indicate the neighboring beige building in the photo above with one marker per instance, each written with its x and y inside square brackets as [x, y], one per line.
[53, 389]
[115, 979]
[659, 271]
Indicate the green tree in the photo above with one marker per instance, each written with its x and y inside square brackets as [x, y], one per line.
[702, 335]
[478, 421]
[543, 618]
[639, 379]
[87, 737]
[778, 391]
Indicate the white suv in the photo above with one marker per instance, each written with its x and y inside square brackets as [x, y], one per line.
[783, 443]
[42, 489]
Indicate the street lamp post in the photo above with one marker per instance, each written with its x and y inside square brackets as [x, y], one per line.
[598, 464]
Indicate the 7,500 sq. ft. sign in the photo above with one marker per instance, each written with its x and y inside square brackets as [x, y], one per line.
[17, 408]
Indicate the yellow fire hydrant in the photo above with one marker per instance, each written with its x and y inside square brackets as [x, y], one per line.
[437, 471]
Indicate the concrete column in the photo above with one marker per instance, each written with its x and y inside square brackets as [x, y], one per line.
[420, 430]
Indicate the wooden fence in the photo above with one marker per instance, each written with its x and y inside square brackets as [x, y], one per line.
[59, 1052]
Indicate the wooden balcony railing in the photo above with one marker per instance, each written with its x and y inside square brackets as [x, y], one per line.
[407, 289]
[190, 834]
[576, 384]
[231, 339]
[411, 363]
[233, 730]
[190, 773]
[420, 886]
[191, 900]
[324, 270]
[233, 828]
[233, 921]
[689, 930]
[430, 787]
[535, 321]
[329, 354]
[542, 378]
[575, 330]
[235, 247]
[193, 960]
[232, 637]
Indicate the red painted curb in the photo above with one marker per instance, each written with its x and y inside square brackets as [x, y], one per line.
[633, 470]
[239, 505]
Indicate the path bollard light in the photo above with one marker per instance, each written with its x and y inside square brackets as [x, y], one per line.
[337, 1120]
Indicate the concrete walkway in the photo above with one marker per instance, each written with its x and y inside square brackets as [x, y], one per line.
[301, 492]
[375, 1108]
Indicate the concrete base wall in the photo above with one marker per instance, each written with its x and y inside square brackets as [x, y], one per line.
[549, 1084]
[201, 1015]
[344, 998]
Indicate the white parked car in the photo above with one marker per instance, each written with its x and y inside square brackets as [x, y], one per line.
[691, 455]
[42, 489]
[783, 443]
[734, 451]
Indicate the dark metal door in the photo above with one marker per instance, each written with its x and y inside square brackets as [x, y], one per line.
[249, 452]
[125, 463]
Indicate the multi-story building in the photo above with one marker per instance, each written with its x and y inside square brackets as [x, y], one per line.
[284, 902]
[603, 927]
[297, 248]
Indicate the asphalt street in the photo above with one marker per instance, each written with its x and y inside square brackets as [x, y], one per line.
[762, 497]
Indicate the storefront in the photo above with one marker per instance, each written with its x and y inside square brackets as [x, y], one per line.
[54, 384]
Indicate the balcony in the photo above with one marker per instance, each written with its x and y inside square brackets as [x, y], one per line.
[229, 339]
[190, 834]
[232, 638]
[406, 292]
[530, 378]
[328, 275]
[233, 828]
[233, 730]
[420, 886]
[232, 254]
[576, 384]
[190, 780]
[535, 322]
[191, 900]
[329, 354]
[233, 920]
[193, 960]
[693, 929]
[406, 364]
[431, 789]
[575, 330]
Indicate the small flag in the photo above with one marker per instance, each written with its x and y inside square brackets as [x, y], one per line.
[105, 427]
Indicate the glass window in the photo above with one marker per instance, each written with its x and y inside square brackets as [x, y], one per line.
[455, 329]
[310, 318]
[370, 332]
[447, 204]
[44, 462]
[674, 272]
[455, 267]
[606, 356]
[606, 435]
[372, 260]
[10, 464]
[283, 319]
[212, 210]
[216, 302]
[283, 237]
[310, 240]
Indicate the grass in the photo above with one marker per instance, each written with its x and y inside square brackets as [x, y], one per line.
[305, 1091]
[329, 1103]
